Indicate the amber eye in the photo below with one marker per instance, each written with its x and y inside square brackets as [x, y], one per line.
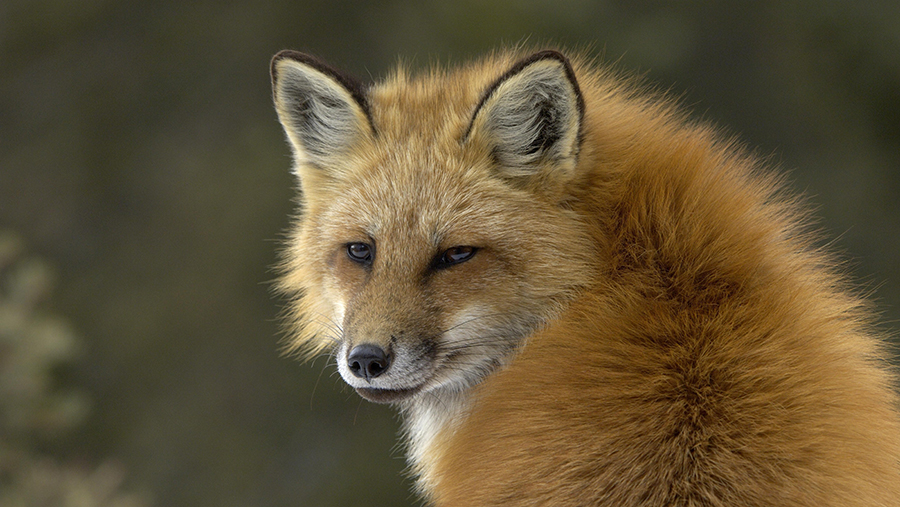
[456, 255]
[360, 252]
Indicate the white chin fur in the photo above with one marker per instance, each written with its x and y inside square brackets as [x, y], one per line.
[425, 417]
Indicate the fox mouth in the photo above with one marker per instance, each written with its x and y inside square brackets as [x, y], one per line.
[386, 395]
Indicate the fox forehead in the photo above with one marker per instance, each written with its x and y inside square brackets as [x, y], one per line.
[430, 106]
[407, 198]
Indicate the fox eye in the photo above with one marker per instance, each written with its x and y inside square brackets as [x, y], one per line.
[456, 255]
[360, 252]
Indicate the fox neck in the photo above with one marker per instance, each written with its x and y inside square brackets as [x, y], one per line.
[429, 419]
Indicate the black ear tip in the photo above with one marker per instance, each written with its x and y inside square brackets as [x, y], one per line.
[546, 54]
[273, 65]
[552, 54]
[297, 56]
[287, 53]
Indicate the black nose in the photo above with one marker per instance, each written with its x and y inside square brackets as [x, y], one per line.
[367, 361]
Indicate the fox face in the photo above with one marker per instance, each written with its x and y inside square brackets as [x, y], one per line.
[435, 230]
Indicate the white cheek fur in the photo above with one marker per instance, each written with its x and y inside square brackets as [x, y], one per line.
[473, 339]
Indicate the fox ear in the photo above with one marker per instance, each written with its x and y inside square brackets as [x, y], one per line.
[324, 112]
[531, 119]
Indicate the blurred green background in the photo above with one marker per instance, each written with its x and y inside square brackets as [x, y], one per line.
[145, 185]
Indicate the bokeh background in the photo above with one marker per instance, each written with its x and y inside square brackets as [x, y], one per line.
[145, 186]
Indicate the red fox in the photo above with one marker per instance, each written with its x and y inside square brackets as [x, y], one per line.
[575, 295]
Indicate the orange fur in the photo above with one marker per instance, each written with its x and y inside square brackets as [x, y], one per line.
[675, 337]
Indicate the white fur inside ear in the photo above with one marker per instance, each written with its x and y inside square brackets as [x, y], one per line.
[321, 117]
[532, 117]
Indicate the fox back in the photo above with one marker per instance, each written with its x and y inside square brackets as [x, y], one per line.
[575, 295]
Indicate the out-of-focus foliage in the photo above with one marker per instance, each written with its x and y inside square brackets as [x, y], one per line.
[141, 156]
[33, 409]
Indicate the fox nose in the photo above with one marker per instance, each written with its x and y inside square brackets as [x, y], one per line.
[367, 361]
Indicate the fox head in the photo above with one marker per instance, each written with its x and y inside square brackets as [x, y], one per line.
[436, 230]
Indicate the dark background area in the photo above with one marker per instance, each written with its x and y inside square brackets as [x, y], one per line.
[141, 160]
